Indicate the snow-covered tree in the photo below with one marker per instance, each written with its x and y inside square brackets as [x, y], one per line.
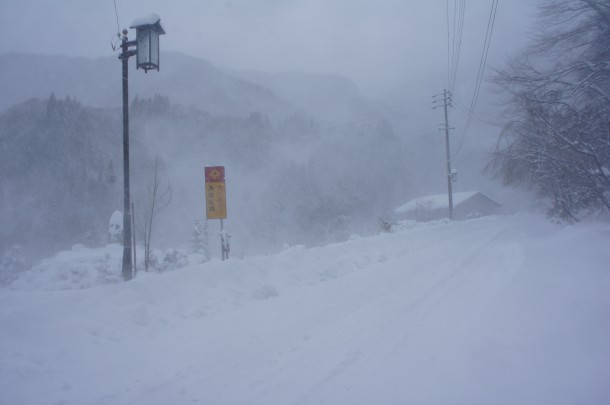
[200, 240]
[197, 238]
[557, 133]
[206, 241]
[154, 200]
[115, 227]
[53, 160]
[12, 264]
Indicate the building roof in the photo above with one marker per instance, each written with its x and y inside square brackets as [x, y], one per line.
[152, 20]
[439, 201]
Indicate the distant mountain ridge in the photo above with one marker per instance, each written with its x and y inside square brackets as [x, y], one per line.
[326, 96]
[298, 163]
[97, 82]
[185, 80]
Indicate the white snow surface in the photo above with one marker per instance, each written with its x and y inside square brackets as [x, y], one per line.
[115, 227]
[150, 19]
[433, 202]
[497, 310]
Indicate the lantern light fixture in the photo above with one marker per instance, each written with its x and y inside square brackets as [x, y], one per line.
[148, 30]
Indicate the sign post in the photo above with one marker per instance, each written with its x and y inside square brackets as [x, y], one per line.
[216, 203]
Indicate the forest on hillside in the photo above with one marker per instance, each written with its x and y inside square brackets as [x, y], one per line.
[294, 176]
[61, 165]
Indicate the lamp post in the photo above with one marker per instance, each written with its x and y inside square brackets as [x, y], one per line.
[147, 57]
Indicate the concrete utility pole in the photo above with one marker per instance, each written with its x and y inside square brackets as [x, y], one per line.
[447, 100]
[450, 174]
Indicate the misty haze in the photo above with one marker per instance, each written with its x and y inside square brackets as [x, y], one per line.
[334, 202]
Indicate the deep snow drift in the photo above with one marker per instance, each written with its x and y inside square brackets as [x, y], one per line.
[498, 310]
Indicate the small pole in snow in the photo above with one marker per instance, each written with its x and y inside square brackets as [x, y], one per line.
[224, 242]
[133, 238]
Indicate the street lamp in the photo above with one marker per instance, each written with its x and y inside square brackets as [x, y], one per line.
[146, 50]
[147, 39]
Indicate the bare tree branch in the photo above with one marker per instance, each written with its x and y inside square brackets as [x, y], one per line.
[153, 202]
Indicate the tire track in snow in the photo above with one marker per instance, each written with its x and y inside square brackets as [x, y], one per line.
[452, 295]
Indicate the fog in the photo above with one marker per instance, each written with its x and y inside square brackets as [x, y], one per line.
[322, 112]
[379, 45]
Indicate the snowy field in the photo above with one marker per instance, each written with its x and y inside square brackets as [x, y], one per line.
[499, 310]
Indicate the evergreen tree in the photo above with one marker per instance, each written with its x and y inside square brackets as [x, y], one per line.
[197, 238]
[12, 264]
[54, 183]
[201, 238]
[206, 241]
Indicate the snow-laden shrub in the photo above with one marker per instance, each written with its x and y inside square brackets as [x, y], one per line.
[11, 265]
[78, 268]
[167, 260]
[115, 227]
[265, 292]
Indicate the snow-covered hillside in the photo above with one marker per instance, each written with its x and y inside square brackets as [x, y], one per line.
[498, 310]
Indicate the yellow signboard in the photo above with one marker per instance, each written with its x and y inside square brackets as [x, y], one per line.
[216, 200]
[215, 193]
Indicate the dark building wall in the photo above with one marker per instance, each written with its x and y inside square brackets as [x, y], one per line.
[476, 206]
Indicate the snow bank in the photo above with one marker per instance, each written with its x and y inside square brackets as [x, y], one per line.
[84, 267]
[150, 19]
[78, 268]
[435, 202]
[497, 310]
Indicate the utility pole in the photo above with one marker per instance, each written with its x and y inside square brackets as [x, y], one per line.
[447, 100]
[147, 54]
[124, 56]
[450, 174]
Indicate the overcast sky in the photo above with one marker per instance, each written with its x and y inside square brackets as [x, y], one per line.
[375, 43]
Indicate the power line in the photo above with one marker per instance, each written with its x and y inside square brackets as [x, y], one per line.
[448, 49]
[476, 117]
[118, 27]
[453, 45]
[480, 73]
[457, 43]
[454, 42]
[114, 41]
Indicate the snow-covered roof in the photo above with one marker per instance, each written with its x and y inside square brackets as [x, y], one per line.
[433, 202]
[151, 19]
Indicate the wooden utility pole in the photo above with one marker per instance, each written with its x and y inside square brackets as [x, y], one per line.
[124, 56]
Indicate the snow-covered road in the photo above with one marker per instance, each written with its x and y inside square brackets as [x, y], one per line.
[500, 310]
